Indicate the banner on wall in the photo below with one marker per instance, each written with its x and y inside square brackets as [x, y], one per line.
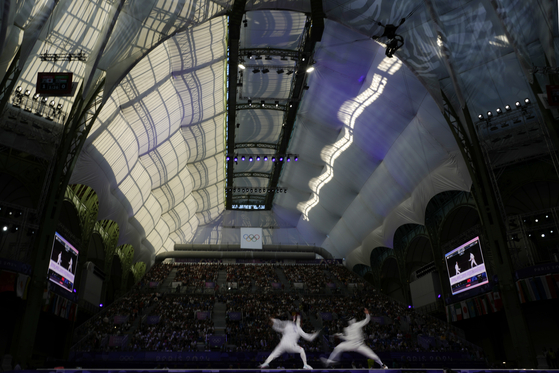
[251, 238]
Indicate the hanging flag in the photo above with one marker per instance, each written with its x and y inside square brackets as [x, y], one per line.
[465, 312]
[490, 302]
[448, 319]
[477, 303]
[458, 310]
[532, 283]
[471, 307]
[520, 292]
[498, 301]
[551, 286]
[7, 281]
[527, 290]
[22, 283]
[484, 306]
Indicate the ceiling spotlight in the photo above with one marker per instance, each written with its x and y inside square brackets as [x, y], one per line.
[265, 71]
[489, 114]
[250, 159]
[288, 159]
[289, 72]
[18, 89]
[243, 158]
[241, 66]
[517, 103]
[543, 234]
[59, 106]
[310, 69]
[281, 159]
[527, 101]
[52, 103]
[238, 125]
[36, 96]
[265, 158]
[262, 103]
[296, 159]
[228, 158]
[507, 108]
[258, 57]
[268, 58]
[277, 103]
[285, 190]
[257, 158]
[279, 71]
[236, 159]
[290, 104]
[273, 159]
[245, 23]
[27, 92]
[251, 190]
[44, 100]
[281, 190]
[499, 111]
[480, 117]
[256, 70]
[249, 102]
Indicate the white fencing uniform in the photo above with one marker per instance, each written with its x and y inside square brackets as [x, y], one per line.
[353, 341]
[291, 333]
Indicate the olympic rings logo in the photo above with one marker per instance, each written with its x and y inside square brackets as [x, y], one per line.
[251, 237]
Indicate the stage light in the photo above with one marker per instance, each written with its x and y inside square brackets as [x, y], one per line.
[100, 304]
[543, 234]
[18, 89]
[527, 101]
[265, 158]
[279, 71]
[265, 71]
[5, 228]
[409, 306]
[59, 106]
[27, 92]
[250, 159]
[499, 111]
[296, 159]
[257, 158]
[245, 23]
[228, 158]
[36, 96]
[438, 296]
[508, 108]
[489, 114]
[52, 103]
[289, 72]
[236, 159]
[290, 104]
[547, 216]
[480, 117]
[281, 159]
[273, 159]
[277, 103]
[536, 220]
[243, 158]
[257, 70]
[238, 125]
[518, 104]
[249, 102]
[310, 69]
[288, 159]
[262, 103]
[241, 66]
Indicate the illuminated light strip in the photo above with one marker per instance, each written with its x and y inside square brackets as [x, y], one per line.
[349, 112]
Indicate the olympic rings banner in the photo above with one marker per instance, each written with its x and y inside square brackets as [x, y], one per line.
[251, 238]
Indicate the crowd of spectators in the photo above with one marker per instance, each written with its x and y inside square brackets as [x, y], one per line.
[180, 325]
[157, 273]
[312, 276]
[196, 275]
[246, 275]
[184, 322]
[344, 276]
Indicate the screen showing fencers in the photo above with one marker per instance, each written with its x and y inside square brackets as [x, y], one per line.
[63, 263]
[466, 267]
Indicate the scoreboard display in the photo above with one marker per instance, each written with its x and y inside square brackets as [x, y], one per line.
[54, 84]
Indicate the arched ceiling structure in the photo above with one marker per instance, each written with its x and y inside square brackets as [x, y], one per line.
[373, 145]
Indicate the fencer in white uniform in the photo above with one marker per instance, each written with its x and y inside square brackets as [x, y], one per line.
[353, 341]
[70, 265]
[473, 262]
[59, 260]
[456, 268]
[291, 332]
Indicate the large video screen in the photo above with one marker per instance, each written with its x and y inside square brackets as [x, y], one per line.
[63, 263]
[466, 267]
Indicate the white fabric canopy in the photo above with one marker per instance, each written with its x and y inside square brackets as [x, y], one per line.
[373, 145]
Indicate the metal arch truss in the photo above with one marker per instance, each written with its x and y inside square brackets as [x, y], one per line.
[261, 106]
[264, 175]
[261, 145]
[282, 53]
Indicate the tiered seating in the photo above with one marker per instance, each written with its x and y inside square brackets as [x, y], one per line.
[311, 275]
[196, 275]
[247, 274]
